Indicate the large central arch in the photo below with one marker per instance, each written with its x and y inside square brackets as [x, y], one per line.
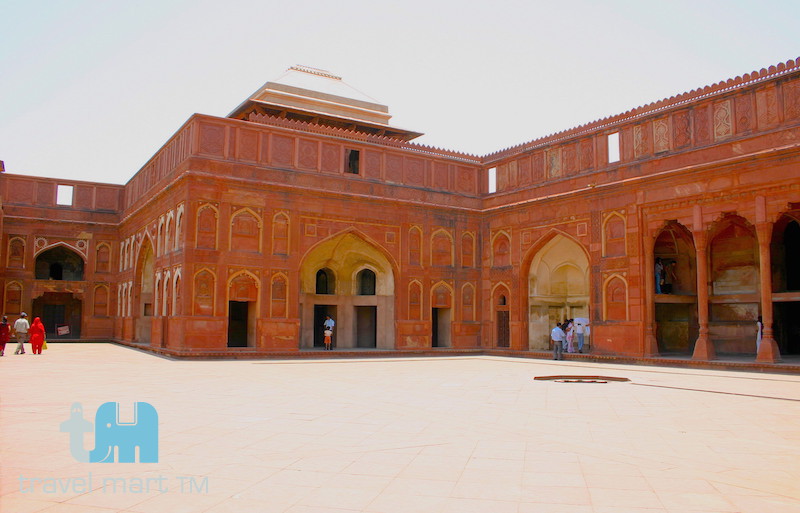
[558, 288]
[364, 313]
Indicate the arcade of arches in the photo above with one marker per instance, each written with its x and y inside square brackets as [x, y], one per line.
[243, 233]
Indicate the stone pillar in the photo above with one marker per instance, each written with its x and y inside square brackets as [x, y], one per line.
[703, 348]
[650, 347]
[768, 350]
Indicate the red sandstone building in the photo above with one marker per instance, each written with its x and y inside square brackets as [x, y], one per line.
[242, 233]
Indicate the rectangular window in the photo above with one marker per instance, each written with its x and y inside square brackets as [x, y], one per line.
[351, 161]
[613, 147]
[64, 195]
[492, 180]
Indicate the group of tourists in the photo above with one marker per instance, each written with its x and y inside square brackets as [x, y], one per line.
[23, 331]
[566, 334]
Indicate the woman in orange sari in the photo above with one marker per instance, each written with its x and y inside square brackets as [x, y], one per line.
[36, 333]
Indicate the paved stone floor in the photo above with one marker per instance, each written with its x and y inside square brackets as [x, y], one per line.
[441, 434]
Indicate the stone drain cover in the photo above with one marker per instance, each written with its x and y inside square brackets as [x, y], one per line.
[580, 379]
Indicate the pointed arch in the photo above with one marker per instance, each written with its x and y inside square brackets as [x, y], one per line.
[102, 258]
[501, 313]
[243, 286]
[204, 292]
[16, 253]
[615, 298]
[59, 261]
[159, 246]
[468, 250]
[279, 295]
[207, 226]
[468, 302]
[245, 231]
[501, 249]
[177, 307]
[358, 318]
[101, 295]
[442, 248]
[12, 298]
[614, 230]
[415, 300]
[166, 296]
[364, 282]
[341, 253]
[415, 245]
[167, 230]
[280, 233]
[556, 284]
[733, 256]
[179, 227]
[441, 295]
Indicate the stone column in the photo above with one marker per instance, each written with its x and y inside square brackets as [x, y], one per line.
[650, 347]
[768, 351]
[703, 348]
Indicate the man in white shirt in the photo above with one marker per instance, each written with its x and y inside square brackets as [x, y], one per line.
[558, 337]
[21, 328]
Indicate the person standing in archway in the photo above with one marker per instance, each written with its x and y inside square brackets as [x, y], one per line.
[557, 336]
[328, 332]
[659, 272]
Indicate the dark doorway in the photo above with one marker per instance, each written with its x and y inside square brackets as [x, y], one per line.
[237, 323]
[366, 326]
[503, 339]
[440, 327]
[59, 309]
[320, 312]
[791, 243]
[787, 327]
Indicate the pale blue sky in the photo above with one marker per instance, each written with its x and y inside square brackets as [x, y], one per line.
[91, 89]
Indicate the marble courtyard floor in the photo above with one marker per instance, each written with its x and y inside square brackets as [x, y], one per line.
[438, 434]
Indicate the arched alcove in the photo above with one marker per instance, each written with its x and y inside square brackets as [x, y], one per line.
[558, 287]
[362, 320]
[59, 263]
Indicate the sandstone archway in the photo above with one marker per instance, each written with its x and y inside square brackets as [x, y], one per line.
[362, 320]
[558, 288]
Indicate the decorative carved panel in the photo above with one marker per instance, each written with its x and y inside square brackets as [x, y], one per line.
[681, 129]
[661, 135]
[722, 120]
[308, 154]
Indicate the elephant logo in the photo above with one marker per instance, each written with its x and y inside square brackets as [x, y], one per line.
[114, 440]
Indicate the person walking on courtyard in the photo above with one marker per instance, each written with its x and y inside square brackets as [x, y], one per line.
[328, 327]
[557, 336]
[21, 327]
[659, 271]
[37, 336]
[5, 334]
